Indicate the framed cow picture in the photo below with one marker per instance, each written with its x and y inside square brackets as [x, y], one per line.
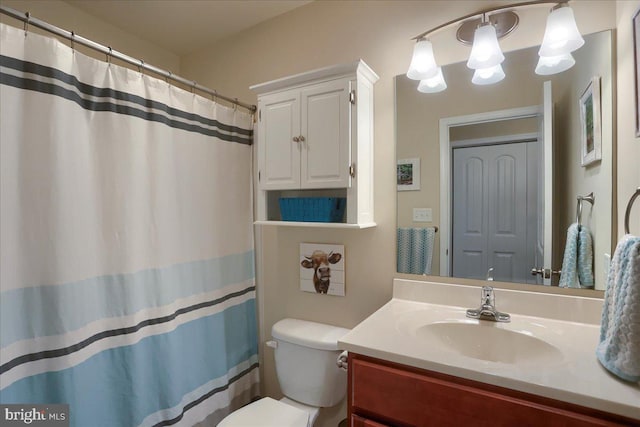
[322, 268]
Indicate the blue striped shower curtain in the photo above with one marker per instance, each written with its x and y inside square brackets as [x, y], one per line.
[127, 279]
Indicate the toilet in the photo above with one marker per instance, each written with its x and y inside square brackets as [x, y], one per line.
[306, 354]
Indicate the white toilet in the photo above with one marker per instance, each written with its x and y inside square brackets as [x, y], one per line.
[305, 355]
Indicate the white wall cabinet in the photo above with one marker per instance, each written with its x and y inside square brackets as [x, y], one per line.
[315, 138]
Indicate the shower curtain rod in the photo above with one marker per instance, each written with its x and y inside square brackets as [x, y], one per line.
[74, 38]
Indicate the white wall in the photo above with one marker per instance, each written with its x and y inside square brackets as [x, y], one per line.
[71, 18]
[576, 179]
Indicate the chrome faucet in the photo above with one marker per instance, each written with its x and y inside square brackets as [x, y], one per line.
[487, 310]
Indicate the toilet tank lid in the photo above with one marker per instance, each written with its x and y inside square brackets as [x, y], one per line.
[308, 334]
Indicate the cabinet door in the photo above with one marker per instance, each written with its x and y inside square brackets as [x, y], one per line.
[325, 126]
[279, 154]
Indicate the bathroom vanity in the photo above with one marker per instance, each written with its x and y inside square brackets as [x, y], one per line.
[420, 361]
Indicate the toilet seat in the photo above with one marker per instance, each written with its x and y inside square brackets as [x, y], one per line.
[266, 412]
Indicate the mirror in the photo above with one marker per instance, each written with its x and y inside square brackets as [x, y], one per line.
[538, 166]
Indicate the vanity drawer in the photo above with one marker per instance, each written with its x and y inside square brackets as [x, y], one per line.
[357, 421]
[403, 396]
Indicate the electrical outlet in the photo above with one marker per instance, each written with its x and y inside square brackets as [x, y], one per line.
[422, 215]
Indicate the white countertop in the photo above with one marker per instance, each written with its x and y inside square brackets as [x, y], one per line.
[573, 374]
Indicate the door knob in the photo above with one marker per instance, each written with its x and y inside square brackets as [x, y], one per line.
[301, 138]
[296, 139]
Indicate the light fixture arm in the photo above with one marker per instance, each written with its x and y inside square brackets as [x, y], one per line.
[482, 14]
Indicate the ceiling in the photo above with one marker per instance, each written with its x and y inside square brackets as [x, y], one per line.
[185, 26]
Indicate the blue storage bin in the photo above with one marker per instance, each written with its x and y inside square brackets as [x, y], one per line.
[312, 209]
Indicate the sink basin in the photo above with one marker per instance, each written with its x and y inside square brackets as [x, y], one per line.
[447, 330]
[488, 341]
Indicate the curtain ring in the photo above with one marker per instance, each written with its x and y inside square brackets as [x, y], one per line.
[235, 104]
[140, 67]
[109, 55]
[26, 23]
[168, 77]
[215, 96]
[193, 87]
[72, 41]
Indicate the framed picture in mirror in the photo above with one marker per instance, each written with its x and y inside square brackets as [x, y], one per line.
[408, 174]
[591, 143]
[636, 59]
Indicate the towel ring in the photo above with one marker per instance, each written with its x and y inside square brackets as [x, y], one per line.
[588, 198]
[627, 214]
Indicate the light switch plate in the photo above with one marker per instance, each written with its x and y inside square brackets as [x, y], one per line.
[422, 215]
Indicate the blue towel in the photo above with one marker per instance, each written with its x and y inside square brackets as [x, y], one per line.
[415, 250]
[577, 264]
[619, 347]
[585, 258]
[404, 250]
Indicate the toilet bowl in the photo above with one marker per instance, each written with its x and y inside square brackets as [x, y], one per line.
[269, 412]
[305, 356]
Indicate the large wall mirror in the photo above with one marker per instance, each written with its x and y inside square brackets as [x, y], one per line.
[501, 166]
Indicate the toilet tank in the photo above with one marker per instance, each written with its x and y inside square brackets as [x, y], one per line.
[306, 357]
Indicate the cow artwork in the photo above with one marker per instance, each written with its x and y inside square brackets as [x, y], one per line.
[322, 268]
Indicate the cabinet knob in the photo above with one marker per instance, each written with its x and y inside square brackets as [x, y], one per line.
[296, 139]
[301, 138]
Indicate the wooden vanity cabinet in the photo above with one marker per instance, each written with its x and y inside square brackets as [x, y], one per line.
[384, 394]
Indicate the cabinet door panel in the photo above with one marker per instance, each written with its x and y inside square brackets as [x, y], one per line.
[326, 129]
[404, 398]
[279, 153]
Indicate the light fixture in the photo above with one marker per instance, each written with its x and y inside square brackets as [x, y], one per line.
[488, 76]
[486, 52]
[434, 84]
[483, 29]
[561, 36]
[423, 64]
[548, 65]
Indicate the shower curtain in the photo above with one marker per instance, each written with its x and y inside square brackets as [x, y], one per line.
[127, 260]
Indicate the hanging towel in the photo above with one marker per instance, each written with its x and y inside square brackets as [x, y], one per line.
[619, 347]
[585, 258]
[577, 263]
[415, 250]
[404, 250]
[569, 275]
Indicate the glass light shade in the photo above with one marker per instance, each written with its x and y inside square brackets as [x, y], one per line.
[488, 76]
[554, 64]
[485, 52]
[434, 84]
[423, 64]
[561, 36]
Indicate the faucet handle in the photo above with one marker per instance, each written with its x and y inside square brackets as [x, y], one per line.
[490, 275]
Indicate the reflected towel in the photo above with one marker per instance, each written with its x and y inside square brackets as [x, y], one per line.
[404, 250]
[585, 258]
[577, 263]
[619, 347]
[415, 250]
